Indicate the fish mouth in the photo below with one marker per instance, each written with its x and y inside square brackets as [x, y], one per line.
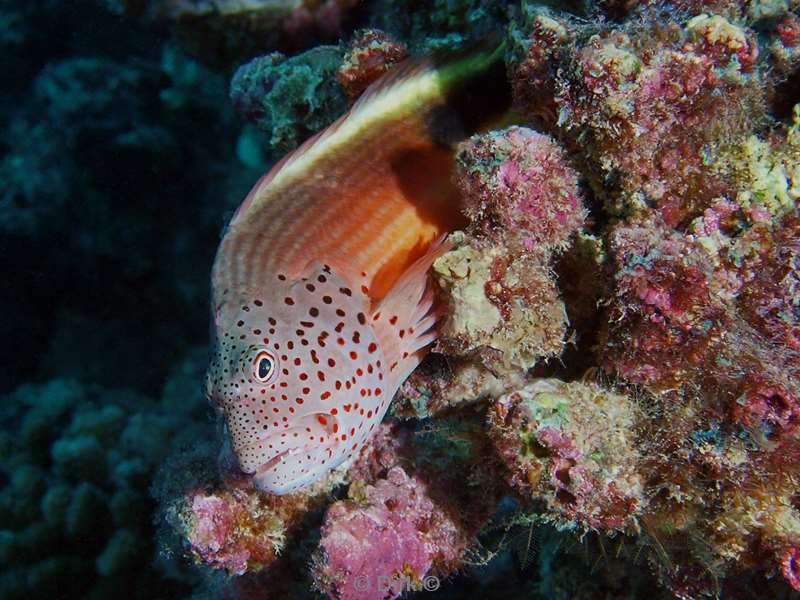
[282, 475]
[283, 461]
[276, 460]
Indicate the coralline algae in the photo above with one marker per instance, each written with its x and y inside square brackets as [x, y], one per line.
[612, 407]
[648, 233]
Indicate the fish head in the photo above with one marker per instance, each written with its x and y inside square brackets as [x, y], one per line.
[297, 379]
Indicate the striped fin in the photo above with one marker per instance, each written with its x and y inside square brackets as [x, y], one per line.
[365, 196]
[404, 321]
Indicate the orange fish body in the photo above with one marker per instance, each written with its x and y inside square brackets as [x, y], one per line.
[319, 289]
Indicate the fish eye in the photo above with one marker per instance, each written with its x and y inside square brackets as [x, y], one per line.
[263, 366]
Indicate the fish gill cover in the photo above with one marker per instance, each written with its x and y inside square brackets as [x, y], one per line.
[612, 406]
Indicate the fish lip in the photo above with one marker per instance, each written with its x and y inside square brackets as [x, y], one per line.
[276, 460]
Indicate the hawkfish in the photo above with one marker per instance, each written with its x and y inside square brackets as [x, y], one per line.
[321, 303]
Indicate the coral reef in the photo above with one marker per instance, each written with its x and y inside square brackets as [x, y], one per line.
[612, 407]
[522, 200]
[393, 530]
[370, 54]
[574, 447]
[650, 102]
[290, 99]
[77, 462]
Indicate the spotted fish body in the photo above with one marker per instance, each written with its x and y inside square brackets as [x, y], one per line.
[320, 296]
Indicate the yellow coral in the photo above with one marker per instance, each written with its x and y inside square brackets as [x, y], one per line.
[518, 312]
[767, 177]
[717, 29]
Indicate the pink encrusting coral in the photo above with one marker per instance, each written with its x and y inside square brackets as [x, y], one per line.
[518, 183]
[684, 315]
[572, 446]
[370, 54]
[632, 375]
[410, 514]
[649, 101]
[390, 534]
[233, 530]
[503, 310]
[233, 527]
[687, 323]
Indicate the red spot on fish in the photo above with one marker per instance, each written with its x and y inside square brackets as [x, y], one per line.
[327, 299]
[313, 311]
[372, 347]
[322, 420]
[321, 375]
[347, 407]
[324, 395]
[289, 301]
[353, 355]
[298, 400]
